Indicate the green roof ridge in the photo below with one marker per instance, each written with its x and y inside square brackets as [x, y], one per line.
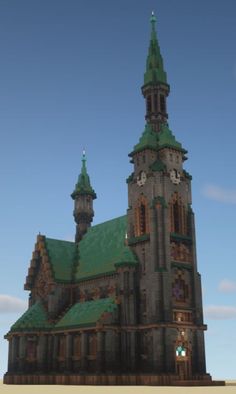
[147, 140]
[86, 313]
[34, 318]
[83, 186]
[154, 65]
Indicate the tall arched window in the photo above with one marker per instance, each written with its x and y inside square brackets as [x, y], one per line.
[178, 216]
[141, 217]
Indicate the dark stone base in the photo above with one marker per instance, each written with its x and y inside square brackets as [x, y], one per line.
[113, 380]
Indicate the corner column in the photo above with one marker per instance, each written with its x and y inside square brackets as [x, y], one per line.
[84, 351]
[22, 353]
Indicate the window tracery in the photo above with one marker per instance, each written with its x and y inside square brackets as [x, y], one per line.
[178, 215]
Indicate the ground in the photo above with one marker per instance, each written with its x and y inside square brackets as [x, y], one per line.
[230, 388]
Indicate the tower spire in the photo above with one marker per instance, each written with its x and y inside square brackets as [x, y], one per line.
[83, 195]
[155, 88]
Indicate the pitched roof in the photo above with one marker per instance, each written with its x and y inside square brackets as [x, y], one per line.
[62, 257]
[35, 318]
[86, 313]
[102, 247]
[166, 139]
[148, 139]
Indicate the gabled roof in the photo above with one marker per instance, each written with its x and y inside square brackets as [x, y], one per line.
[35, 318]
[86, 313]
[102, 247]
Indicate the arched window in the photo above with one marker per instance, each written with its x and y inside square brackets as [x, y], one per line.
[178, 216]
[141, 218]
[180, 290]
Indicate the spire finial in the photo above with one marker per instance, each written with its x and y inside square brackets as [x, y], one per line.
[153, 20]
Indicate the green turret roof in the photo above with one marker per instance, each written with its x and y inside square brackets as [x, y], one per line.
[167, 140]
[147, 140]
[83, 186]
[154, 65]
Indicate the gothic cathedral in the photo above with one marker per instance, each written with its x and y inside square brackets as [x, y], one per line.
[122, 304]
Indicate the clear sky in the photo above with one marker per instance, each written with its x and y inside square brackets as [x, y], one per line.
[70, 78]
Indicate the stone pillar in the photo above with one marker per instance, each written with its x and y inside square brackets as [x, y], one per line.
[69, 344]
[55, 352]
[100, 351]
[201, 365]
[133, 350]
[170, 337]
[41, 353]
[110, 350]
[15, 349]
[158, 350]
[10, 354]
[49, 353]
[84, 351]
[22, 353]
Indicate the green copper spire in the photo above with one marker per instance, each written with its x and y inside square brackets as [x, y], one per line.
[83, 185]
[154, 66]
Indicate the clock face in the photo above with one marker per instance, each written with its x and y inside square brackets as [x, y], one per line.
[175, 176]
[141, 179]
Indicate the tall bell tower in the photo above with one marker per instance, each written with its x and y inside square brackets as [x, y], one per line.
[161, 231]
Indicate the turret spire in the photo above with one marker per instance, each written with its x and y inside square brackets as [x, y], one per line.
[155, 88]
[83, 195]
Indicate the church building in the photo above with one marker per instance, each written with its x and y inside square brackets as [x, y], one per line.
[122, 305]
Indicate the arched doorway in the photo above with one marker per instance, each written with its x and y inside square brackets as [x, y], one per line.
[183, 361]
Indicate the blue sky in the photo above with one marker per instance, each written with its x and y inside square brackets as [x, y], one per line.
[71, 73]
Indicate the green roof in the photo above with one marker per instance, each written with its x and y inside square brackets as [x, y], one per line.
[167, 140]
[154, 66]
[83, 186]
[102, 247]
[147, 140]
[63, 255]
[86, 313]
[35, 318]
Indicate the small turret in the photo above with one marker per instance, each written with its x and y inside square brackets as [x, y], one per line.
[83, 195]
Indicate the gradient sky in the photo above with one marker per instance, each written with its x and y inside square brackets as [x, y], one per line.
[70, 78]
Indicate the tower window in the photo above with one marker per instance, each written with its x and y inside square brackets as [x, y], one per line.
[162, 103]
[176, 217]
[149, 104]
[143, 219]
[155, 102]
